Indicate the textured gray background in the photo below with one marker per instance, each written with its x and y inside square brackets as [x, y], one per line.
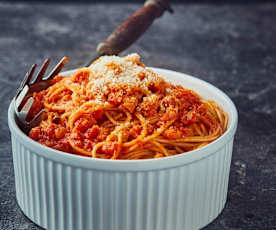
[230, 46]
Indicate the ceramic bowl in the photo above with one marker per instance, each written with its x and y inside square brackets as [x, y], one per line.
[62, 191]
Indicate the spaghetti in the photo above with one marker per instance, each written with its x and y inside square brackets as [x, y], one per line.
[118, 109]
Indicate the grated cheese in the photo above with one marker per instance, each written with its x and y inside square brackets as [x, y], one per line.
[110, 71]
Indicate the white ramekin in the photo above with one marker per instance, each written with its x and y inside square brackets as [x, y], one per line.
[61, 191]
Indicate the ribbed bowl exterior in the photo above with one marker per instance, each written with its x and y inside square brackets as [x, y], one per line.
[59, 196]
[61, 191]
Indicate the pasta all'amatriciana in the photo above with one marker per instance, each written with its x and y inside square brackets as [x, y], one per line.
[118, 109]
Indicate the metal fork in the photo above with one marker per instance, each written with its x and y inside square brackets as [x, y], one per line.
[24, 100]
[121, 38]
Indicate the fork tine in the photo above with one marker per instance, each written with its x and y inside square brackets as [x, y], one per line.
[20, 98]
[36, 120]
[58, 68]
[29, 75]
[42, 70]
[26, 80]
[26, 108]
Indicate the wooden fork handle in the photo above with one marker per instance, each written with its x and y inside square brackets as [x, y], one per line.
[132, 28]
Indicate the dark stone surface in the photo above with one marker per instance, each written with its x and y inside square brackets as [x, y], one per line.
[230, 46]
[141, 1]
